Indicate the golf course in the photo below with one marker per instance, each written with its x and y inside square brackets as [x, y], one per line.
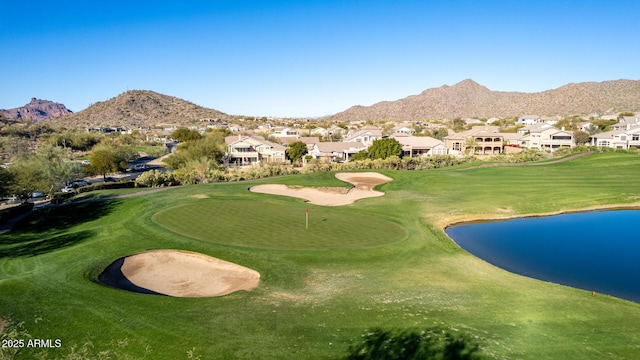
[327, 274]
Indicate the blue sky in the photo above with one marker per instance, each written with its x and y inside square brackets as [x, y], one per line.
[306, 58]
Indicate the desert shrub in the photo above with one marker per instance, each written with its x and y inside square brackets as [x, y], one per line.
[526, 156]
[157, 151]
[156, 178]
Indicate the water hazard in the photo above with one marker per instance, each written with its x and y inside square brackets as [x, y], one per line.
[595, 251]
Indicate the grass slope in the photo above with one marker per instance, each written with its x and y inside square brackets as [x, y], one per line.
[316, 299]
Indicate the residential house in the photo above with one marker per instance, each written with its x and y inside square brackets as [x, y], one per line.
[163, 136]
[586, 126]
[626, 123]
[548, 138]
[365, 135]
[319, 131]
[528, 120]
[251, 150]
[335, 130]
[336, 151]
[487, 140]
[282, 132]
[404, 129]
[310, 141]
[235, 127]
[549, 120]
[513, 142]
[535, 128]
[473, 121]
[416, 146]
[618, 139]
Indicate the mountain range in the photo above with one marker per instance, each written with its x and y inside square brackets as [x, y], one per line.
[468, 99]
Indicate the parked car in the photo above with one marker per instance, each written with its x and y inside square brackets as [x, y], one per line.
[110, 179]
[85, 162]
[68, 188]
[79, 183]
[37, 194]
[140, 167]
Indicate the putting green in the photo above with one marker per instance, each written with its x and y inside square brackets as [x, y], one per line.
[280, 226]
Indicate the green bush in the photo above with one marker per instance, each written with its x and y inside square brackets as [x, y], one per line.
[60, 197]
[123, 184]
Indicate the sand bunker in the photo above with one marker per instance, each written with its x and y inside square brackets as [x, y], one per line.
[178, 273]
[363, 188]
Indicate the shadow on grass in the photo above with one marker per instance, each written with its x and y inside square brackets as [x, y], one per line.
[44, 230]
[430, 343]
[63, 217]
[26, 246]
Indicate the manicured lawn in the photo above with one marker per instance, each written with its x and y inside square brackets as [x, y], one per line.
[382, 262]
[278, 225]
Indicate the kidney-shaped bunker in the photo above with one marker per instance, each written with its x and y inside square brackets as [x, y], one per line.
[178, 273]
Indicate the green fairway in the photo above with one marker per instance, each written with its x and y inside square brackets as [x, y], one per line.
[382, 262]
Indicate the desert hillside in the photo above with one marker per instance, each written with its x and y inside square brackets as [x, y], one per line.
[470, 99]
[140, 108]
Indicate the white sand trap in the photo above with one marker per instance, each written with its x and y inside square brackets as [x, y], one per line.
[363, 188]
[187, 274]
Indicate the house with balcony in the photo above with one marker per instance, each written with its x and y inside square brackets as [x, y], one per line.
[252, 150]
[618, 139]
[485, 140]
[282, 132]
[547, 138]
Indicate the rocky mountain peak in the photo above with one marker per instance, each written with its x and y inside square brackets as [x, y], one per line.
[37, 110]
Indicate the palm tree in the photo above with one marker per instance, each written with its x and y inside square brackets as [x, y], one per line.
[470, 145]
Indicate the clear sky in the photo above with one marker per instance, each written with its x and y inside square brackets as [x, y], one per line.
[309, 57]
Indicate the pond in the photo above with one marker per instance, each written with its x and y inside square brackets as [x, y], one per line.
[595, 251]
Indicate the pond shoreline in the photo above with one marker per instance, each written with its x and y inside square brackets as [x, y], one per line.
[578, 249]
[475, 219]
